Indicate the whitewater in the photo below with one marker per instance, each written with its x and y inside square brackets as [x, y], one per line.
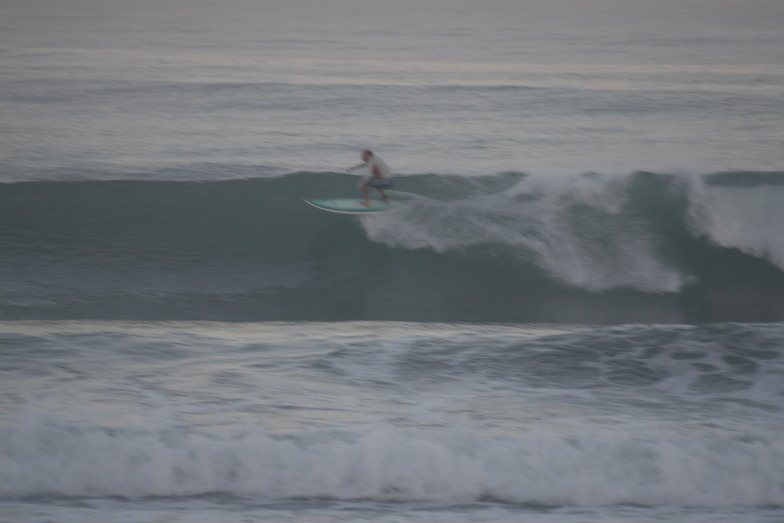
[390, 422]
[573, 313]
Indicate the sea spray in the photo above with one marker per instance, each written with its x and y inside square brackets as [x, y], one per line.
[741, 211]
[579, 229]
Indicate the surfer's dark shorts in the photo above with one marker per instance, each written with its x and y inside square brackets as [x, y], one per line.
[380, 183]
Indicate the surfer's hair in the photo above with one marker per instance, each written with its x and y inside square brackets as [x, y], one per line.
[368, 152]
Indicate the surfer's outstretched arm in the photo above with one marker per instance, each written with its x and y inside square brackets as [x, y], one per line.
[358, 166]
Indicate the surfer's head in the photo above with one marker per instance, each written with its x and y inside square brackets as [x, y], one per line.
[367, 154]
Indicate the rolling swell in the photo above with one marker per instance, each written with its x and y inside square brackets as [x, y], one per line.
[512, 247]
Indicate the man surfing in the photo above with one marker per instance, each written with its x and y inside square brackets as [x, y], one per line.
[379, 176]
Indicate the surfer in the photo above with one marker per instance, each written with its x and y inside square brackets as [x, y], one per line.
[379, 176]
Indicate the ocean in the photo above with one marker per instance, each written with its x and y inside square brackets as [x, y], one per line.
[574, 312]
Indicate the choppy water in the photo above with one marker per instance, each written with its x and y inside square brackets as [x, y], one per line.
[389, 421]
[573, 313]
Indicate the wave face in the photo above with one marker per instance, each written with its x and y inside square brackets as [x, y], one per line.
[511, 247]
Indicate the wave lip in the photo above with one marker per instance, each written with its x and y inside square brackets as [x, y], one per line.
[741, 211]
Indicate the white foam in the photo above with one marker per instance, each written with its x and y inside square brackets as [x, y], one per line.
[750, 219]
[697, 467]
[573, 227]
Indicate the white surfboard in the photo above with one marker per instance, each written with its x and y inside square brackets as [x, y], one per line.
[350, 206]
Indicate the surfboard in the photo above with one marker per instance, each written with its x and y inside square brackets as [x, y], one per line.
[349, 206]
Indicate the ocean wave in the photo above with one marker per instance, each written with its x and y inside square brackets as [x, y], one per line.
[695, 468]
[195, 245]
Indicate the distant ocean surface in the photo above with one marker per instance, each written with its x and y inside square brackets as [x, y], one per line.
[574, 312]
